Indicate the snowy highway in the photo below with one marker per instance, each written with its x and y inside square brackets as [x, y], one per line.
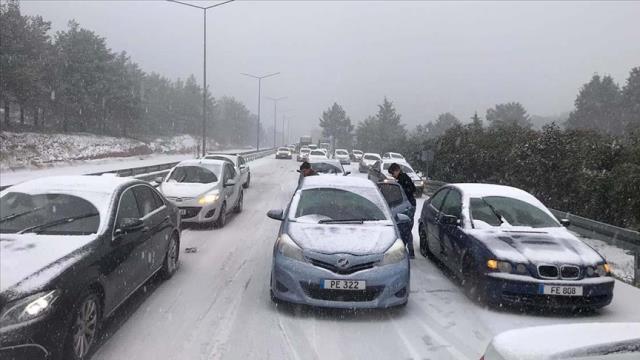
[217, 306]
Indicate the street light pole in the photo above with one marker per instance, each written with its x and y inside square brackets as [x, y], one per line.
[275, 115]
[204, 66]
[259, 78]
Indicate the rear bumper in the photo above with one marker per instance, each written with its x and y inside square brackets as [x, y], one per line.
[299, 282]
[283, 156]
[526, 290]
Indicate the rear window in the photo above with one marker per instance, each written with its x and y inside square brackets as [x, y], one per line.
[325, 168]
[371, 157]
[283, 149]
[317, 152]
[342, 152]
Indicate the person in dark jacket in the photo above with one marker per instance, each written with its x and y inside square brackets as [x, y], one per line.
[409, 189]
[305, 170]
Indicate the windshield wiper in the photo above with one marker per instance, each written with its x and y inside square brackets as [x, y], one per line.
[493, 210]
[15, 215]
[338, 221]
[37, 228]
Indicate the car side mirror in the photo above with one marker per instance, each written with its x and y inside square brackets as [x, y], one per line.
[276, 214]
[565, 222]
[347, 173]
[402, 219]
[129, 225]
[229, 182]
[449, 220]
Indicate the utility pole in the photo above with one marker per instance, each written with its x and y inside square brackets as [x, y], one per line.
[259, 78]
[275, 115]
[204, 66]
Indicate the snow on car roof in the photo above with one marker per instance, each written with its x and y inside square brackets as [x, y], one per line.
[481, 190]
[542, 342]
[77, 183]
[199, 162]
[336, 182]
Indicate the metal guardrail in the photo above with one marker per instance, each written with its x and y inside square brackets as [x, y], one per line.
[613, 235]
[149, 173]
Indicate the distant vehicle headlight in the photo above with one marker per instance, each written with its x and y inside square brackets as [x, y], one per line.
[209, 198]
[29, 308]
[287, 247]
[396, 253]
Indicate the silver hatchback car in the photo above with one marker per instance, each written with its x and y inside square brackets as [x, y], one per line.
[204, 190]
[339, 247]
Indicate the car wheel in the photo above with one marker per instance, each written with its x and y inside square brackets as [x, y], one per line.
[222, 218]
[246, 185]
[472, 281]
[170, 264]
[240, 204]
[85, 326]
[424, 243]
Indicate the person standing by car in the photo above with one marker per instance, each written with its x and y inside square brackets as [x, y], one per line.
[409, 188]
[306, 170]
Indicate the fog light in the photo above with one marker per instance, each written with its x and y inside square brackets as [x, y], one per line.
[521, 268]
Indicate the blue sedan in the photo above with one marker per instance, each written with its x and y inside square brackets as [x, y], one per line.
[506, 247]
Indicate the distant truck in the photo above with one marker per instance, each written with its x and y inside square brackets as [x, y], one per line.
[304, 141]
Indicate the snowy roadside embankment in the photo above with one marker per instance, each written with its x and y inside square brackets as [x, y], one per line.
[37, 150]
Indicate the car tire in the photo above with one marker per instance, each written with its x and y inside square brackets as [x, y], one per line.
[171, 258]
[222, 217]
[424, 243]
[85, 327]
[246, 185]
[240, 204]
[472, 282]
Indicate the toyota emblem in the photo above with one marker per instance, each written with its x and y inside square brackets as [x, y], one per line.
[343, 263]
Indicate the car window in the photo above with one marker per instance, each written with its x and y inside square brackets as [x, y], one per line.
[231, 171]
[127, 207]
[20, 211]
[192, 174]
[146, 199]
[336, 204]
[405, 168]
[438, 198]
[392, 193]
[514, 212]
[371, 157]
[452, 204]
[326, 168]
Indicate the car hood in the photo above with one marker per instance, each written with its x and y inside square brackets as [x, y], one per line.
[30, 261]
[185, 190]
[550, 341]
[548, 245]
[368, 238]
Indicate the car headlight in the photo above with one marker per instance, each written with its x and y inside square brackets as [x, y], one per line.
[603, 269]
[208, 198]
[29, 308]
[396, 253]
[287, 247]
[418, 183]
[501, 266]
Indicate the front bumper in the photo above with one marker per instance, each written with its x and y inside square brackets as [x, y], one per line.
[526, 290]
[39, 339]
[196, 213]
[300, 282]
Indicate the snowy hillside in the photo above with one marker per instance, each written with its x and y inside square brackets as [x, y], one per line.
[27, 149]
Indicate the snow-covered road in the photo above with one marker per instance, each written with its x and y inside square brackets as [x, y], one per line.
[217, 306]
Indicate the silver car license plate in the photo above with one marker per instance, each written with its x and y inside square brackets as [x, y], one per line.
[344, 284]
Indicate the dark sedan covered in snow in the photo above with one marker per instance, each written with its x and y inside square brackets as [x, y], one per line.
[72, 249]
[508, 248]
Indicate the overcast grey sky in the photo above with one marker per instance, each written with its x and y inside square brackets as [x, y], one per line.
[427, 57]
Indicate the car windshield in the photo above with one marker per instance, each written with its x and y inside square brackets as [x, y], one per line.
[498, 210]
[50, 213]
[404, 168]
[326, 168]
[195, 174]
[341, 152]
[336, 204]
[303, 151]
[283, 149]
[317, 152]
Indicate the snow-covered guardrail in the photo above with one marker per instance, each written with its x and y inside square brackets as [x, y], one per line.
[149, 173]
[622, 238]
